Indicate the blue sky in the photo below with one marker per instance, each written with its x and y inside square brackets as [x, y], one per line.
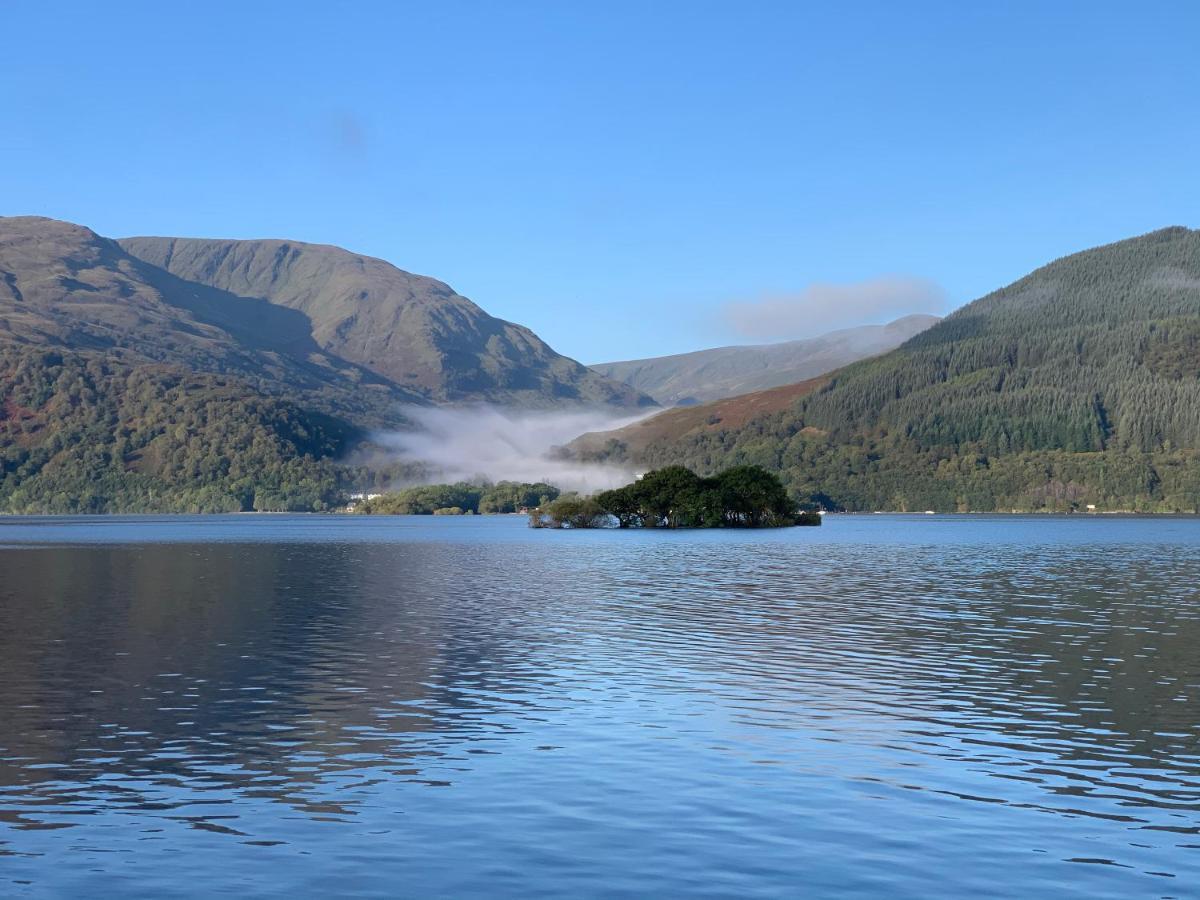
[618, 176]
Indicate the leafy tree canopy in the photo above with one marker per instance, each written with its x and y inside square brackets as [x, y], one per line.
[675, 497]
[426, 499]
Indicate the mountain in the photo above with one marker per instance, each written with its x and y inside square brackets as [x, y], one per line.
[411, 330]
[125, 386]
[1076, 386]
[290, 311]
[65, 288]
[729, 371]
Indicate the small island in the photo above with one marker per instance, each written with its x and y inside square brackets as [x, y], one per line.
[676, 497]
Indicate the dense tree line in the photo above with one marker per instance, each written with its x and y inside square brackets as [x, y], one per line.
[676, 497]
[462, 497]
[91, 433]
[83, 433]
[1077, 385]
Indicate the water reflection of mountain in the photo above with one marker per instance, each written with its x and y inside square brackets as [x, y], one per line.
[159, 676]
[257, 667]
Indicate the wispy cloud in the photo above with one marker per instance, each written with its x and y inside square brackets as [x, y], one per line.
[351, 133]
[482, 441]
[345, 136]
[825, 307]
[1174, 278]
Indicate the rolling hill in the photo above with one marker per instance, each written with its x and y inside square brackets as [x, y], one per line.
[1076, 386]
[637, 441]
[730, 371]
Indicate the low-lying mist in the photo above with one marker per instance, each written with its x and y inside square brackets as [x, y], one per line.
[500, 444]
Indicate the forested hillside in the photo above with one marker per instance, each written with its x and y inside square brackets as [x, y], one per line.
[88, 434]
[1077, 385]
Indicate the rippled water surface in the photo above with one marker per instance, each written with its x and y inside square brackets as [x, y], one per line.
[886, 706]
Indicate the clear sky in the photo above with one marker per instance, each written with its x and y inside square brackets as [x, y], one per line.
[619, 176]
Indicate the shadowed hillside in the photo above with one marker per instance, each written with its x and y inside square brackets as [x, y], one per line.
[65, 288]
[412, 330]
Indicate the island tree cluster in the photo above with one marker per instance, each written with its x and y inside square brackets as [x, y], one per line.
[676, 497]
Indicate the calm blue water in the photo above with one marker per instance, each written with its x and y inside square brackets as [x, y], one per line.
[883, 707]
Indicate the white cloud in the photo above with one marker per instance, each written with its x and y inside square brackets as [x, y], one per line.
[465, 443]
[825, 307]
[1174, 278]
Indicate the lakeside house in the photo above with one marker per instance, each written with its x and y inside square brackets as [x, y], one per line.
[358, 497]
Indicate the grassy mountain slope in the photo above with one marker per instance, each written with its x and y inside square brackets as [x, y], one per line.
[412, 330]
[1077, 385]
[732, 371]
[63, 287]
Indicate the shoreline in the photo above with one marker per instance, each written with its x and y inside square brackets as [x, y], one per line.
[341, 514]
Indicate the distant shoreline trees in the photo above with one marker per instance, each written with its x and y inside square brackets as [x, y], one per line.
[466, 498]
[676, 497]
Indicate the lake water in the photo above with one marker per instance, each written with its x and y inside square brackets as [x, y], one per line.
[891, 706]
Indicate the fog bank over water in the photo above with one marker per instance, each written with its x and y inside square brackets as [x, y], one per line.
[465, 443]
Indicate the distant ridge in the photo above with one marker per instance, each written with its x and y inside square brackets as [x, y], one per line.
[704, 375]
